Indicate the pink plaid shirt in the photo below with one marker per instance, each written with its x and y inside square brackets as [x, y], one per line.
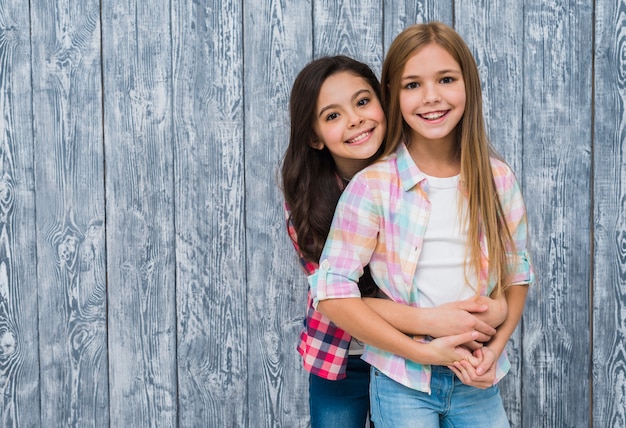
[323, 345]
[381, 219]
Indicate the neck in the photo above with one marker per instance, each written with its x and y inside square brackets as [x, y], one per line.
[347, 169]
[436, 158]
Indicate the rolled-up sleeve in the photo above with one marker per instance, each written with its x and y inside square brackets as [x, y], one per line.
[349, 245]
[521, 269]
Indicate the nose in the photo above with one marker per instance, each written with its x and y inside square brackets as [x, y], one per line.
[355, 119]
[431, 94]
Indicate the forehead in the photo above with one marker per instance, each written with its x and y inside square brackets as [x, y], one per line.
[341, 86]
[428, 60]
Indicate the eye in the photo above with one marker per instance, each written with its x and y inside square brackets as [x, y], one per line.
[447, 80]
[332, 116]
[362, 102]
[412, 85]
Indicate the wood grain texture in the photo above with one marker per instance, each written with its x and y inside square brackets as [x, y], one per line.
[495, 41]
[210, 214]
[69, 187]
[186, 101]
[19, 357]
[400, 14]
[556, 179]
[609, 257]
[352, 28]
[137, 61]
[278, 43]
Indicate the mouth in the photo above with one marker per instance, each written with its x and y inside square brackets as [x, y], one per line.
[433, 115]
[361, 137]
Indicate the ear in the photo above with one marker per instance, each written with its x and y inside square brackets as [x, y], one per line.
[318, 145]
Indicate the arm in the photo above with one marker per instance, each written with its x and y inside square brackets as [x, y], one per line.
[475, 314]
[355, 317]
[522, 273]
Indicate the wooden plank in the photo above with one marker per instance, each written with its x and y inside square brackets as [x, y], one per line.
[400, 14]
[353, 28]
[278, 43]
[609, 256]
[494, 37]
[136, 51]
[19, 364]
[556, 164]
[69, 187]
[210, 222]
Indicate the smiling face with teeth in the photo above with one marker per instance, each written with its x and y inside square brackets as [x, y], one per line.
[349, 121]
[432, 96]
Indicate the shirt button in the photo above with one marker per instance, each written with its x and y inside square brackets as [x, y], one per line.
[324, 264]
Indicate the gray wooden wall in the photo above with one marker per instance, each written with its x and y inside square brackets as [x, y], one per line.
[146, 279]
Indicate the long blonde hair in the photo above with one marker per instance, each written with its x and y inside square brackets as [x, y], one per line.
[484, 208]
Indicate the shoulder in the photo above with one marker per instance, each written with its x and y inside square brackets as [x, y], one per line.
[500, 167]
[503, 175]
[381, 170]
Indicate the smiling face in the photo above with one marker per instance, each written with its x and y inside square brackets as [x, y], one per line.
[432, 95]
[349, 121]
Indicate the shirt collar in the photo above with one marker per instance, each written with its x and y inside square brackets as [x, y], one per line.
[410, 174]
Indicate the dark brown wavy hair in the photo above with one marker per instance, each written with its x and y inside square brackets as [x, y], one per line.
[310, 183]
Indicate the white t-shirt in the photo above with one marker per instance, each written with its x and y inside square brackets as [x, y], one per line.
[440, 271]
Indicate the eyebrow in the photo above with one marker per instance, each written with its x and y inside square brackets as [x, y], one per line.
[439, 73]
[356, 95]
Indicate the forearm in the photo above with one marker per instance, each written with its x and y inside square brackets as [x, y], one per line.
[405, 318]
[516, 299]
[445, 320]
[356, 317]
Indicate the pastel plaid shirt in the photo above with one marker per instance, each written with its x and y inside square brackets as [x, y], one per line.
[381, 219]
[323, 345]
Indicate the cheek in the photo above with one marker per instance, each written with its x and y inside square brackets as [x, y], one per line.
[332, 133]
[406, 105]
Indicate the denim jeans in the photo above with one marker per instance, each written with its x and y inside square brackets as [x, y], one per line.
[450, 403]
[341, 403]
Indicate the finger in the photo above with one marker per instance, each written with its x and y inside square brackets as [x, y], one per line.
[487, 360]
[472, 305]
[485, 329]
[465, 373]
[474, 345]
[456, 371]
[485, 365]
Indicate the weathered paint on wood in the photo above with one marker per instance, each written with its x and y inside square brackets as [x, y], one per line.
[146, 278]
[277, 45]
[19, 349]
[141, 249]
[212, 317]
[608, 382]
[557, 123]
[348, 28]
[69, 179]
[399, 15]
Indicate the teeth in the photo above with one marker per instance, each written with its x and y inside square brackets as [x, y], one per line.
[359, 137]
[432, 116]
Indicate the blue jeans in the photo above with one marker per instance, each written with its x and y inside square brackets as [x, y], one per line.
[341, 403]
[450, 403]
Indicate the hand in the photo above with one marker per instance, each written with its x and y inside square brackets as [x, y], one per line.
[497, 312]
[448, 350]
[482, 375]
[460, 317]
